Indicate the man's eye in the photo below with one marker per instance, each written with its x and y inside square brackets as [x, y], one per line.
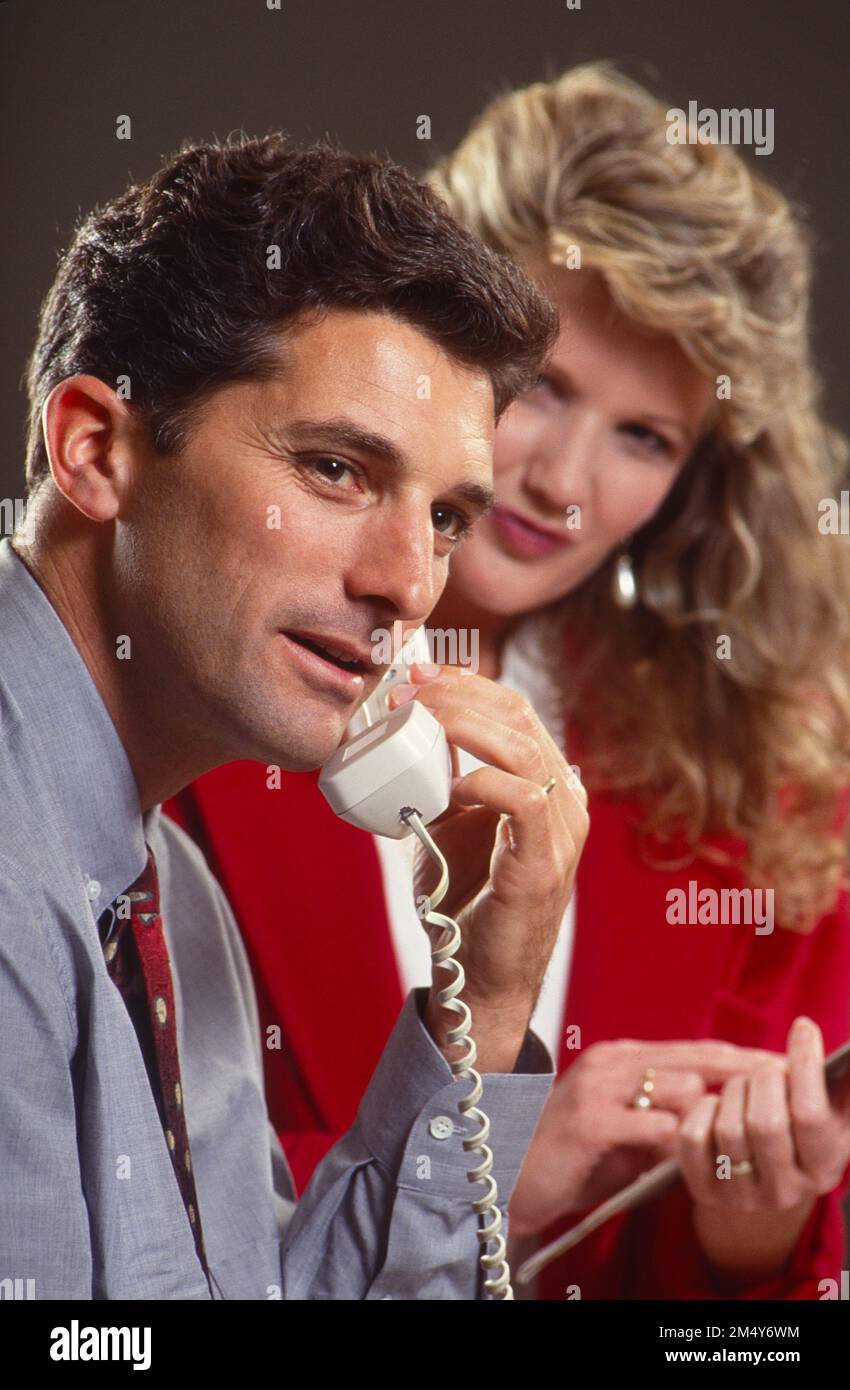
[451, 524]
[330, 468]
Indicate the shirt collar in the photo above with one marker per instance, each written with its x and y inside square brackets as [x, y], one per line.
[69, 731]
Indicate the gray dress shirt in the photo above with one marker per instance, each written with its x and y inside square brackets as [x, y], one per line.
[89, 1203]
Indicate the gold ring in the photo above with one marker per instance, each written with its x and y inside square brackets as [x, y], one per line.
[642, 1100]
[547, 786]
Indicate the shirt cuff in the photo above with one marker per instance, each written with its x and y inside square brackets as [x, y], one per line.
[410, 1122]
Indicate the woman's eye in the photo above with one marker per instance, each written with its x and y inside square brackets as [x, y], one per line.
[451, 524]
[649, 439]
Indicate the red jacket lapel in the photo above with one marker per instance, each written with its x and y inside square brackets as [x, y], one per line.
[633, 974]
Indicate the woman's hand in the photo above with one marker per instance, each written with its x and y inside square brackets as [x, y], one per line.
[781, 1142]
[592, 1140]
[512, 852]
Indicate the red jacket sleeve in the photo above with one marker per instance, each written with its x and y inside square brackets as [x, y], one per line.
[654, 1252]
[678, 1268]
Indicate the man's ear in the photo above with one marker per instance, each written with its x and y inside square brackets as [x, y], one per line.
[88, 432]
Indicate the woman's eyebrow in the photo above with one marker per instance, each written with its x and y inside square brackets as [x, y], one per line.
[337, 432]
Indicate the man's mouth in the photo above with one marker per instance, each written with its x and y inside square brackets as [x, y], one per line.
[346, 655]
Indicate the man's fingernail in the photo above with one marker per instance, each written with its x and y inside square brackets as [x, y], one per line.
[400, 694]
[426, 669]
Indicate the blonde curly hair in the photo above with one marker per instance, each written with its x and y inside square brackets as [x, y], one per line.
[690, 242]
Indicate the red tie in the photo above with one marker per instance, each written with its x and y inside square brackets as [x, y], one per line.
[137, 960]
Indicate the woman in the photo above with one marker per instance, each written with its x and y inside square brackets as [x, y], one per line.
[654, 577]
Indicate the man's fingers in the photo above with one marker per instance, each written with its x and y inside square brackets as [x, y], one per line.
[531, 812]
[507, 734]
[511, 748]
[478, 731]
[500, 727]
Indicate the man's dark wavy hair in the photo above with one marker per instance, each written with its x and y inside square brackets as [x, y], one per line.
[169, 283]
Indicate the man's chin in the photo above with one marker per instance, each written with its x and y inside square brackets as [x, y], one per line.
[307, 743]
[288, 726]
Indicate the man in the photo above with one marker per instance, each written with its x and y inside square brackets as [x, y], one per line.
[262, 405]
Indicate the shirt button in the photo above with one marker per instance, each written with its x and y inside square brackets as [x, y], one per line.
[169, 1139]
[187, 1159]
[109, 950]
[160, 1009]
[178, 1094]
[191, 1213]
[441, 1127]
[92, 889]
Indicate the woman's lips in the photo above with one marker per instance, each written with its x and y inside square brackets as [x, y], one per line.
[523, 537]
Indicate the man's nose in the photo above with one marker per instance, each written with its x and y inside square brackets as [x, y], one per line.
[395, 565]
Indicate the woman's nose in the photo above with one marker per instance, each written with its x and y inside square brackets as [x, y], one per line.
[560, 472]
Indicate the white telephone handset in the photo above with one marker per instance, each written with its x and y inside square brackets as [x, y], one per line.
[396, 759]
[392, 777]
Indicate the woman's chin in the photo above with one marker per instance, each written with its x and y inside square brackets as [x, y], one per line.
[500, 586]
[501, 605]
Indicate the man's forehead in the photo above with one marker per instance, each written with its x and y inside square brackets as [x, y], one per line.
[382, 354]
[384, 378]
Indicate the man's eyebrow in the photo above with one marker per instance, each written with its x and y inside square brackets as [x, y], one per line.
[479, 496]
[338, 433]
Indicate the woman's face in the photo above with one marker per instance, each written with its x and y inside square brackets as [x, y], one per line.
[586, 457]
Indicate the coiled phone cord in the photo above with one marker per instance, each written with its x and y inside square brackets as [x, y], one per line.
[490, 1217]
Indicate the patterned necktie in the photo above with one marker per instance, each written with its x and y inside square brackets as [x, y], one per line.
[137, 960]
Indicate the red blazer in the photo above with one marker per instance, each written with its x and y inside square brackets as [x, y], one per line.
[307, 892]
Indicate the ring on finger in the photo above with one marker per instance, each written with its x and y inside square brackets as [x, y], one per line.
[642, 1099]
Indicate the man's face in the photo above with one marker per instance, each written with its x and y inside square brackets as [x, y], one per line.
[324, 504]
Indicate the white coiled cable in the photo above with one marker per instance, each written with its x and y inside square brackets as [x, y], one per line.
[497, 1285]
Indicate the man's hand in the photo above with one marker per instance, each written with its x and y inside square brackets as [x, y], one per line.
[512, 852]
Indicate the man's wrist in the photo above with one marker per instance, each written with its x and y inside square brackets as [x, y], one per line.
[499, 1030]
